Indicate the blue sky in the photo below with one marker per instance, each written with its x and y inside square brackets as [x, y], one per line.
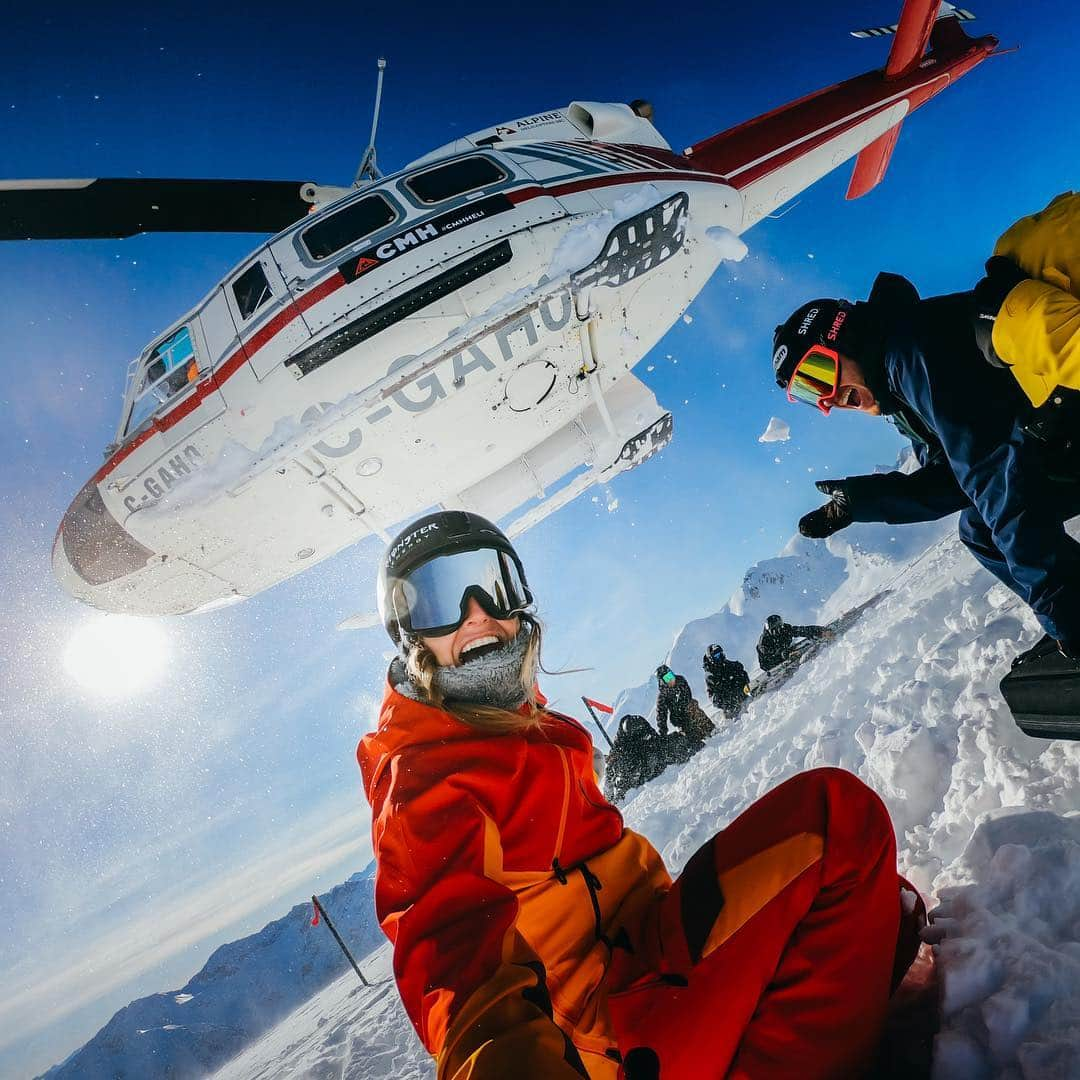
[140, 831]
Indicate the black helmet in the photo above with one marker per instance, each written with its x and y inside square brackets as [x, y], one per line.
[714, 652]
[818, 322]
[449, 533]
[773, 621]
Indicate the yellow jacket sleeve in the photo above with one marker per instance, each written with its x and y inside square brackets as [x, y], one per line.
[1046, 245]
[1037, 331]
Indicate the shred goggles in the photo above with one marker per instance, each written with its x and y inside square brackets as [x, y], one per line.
[432, 599]
[816, 378]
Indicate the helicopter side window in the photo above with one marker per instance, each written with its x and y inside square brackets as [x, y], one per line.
[168, 369]
[251, 290]
[353, 223]
[455, 178]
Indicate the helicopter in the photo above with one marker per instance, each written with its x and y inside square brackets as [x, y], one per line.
[459, 333]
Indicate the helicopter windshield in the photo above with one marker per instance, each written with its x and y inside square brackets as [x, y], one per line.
[169, 368]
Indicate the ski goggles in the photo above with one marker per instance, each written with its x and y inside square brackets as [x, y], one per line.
[432, 599]
[816, 378]
[668, 677]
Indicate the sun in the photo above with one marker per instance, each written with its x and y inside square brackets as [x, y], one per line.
[116, 655]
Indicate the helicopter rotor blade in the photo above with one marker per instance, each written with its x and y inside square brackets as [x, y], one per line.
[98, 209]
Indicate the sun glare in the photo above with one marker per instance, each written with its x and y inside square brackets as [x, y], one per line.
[116, 655]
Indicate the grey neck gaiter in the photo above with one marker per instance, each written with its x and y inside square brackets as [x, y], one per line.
[493, 680]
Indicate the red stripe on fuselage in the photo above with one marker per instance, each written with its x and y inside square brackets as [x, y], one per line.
[335, 281]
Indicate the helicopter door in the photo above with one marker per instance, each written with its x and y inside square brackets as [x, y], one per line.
[265, 316]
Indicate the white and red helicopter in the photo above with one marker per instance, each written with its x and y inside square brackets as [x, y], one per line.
[461, 333]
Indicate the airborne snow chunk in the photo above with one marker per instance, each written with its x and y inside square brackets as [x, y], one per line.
[730, 246]
[777, 431]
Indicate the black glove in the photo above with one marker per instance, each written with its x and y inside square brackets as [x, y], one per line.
[1002, 276]
[830, 518]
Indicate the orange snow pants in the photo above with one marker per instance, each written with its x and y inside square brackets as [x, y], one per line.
[773, 954]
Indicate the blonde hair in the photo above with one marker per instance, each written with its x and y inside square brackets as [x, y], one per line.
[421, 665]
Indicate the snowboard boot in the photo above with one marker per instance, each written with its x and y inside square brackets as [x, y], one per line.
[1043, 691]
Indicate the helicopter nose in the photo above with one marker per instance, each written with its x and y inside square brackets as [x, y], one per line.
[99, 562]
[91, 546]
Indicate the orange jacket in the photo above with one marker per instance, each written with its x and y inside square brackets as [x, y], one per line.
[504, 878]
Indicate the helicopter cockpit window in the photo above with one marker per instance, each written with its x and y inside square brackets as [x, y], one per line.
[165, 372]
[455, 178]
[353, 223]
[251, 290]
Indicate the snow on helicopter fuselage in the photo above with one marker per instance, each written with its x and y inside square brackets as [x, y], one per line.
[460, 333]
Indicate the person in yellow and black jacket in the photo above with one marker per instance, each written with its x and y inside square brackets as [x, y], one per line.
[1017, 467]
[1027, 309]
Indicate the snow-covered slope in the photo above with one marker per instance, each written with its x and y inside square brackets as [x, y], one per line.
[243, 989]
[908, 700]
[346, 1032]
[808, 582]
[986, 818]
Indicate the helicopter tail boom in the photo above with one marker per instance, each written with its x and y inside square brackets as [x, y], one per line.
[773, 157]
[921, 22]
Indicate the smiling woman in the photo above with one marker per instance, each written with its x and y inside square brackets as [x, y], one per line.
[116, 655]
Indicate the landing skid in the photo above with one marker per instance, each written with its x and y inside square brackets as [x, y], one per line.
[635, 450]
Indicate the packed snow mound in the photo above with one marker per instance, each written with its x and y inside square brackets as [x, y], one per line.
[1010, 951]
[244, 988]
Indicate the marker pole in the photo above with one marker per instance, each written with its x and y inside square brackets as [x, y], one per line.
[337, 937]
[585, 702]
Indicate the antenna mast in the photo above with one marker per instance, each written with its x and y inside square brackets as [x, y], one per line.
[368, 170]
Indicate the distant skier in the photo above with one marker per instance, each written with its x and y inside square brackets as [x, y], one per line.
[726, 681]
[681, 722]
[535, 935]
[1017, 468]
[778, 638]
[636, 757]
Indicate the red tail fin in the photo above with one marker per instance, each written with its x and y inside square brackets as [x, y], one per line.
[912, 34]
[871, 163]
